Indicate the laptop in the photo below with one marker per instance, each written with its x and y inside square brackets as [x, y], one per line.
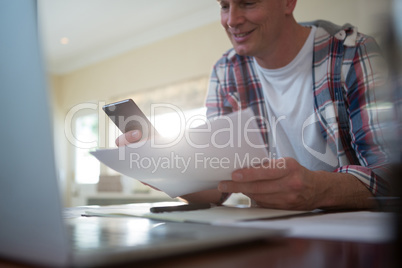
[32, 227]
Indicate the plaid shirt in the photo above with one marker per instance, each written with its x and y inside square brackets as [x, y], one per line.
[344, 79]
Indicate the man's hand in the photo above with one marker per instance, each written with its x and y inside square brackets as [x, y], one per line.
[129, 137]
[288, 185]
[132, 136]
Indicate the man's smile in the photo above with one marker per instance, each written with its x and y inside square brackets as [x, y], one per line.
[241, 36]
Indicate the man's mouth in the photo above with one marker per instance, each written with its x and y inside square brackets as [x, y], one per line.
[240, 35]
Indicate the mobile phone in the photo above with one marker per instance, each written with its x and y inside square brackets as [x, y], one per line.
[127, 116]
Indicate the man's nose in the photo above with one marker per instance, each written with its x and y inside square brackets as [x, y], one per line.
[235, 17]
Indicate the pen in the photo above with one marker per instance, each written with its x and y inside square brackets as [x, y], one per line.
[187, 207]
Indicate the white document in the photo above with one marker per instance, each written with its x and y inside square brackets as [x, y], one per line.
[215, 215]
[198, 160]
[359, 226]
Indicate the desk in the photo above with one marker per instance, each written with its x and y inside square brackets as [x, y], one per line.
[289, 252]
[282, 252]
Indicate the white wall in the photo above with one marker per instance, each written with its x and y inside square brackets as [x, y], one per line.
[367, 15]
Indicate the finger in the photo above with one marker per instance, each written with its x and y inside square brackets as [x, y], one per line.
[269, 170]
[268, 197]
[128, 137]
[269, 201]
[256, 187]
[285, 201]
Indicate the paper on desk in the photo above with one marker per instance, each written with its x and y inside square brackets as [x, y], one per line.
[359, 226]
[216, 215]
[198, 161]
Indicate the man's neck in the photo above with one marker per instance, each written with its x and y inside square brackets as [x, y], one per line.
[289, 46]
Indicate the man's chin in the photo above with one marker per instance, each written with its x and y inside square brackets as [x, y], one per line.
[242, 51]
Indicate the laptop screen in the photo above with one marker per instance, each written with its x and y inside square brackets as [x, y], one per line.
[30, 207]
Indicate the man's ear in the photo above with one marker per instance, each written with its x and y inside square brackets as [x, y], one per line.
[290, 6]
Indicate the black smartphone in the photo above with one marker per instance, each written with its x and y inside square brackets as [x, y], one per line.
[128, 116]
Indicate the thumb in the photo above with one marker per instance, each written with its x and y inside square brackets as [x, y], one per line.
[129, 137]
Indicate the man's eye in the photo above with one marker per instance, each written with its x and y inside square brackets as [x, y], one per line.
[249, 4]
[224, 7]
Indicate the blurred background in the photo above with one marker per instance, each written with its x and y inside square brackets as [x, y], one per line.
[160, 51]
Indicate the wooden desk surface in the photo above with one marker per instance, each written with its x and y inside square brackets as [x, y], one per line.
[289, 252]
[284, 253]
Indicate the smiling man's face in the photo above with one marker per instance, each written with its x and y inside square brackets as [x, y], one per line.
[253, 26]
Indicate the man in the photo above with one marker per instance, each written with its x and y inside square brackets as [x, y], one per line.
[312, 84]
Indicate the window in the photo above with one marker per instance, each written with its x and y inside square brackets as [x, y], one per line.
[87, 167]
[170, 124]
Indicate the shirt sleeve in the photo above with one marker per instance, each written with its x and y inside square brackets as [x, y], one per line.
[216, 103]
[364, 84]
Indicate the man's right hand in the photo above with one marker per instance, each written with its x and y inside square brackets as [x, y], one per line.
[129, 137]
[132, 136]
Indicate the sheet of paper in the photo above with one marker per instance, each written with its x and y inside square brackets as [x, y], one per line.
[215, 215]
[360, 226]
[198, 160]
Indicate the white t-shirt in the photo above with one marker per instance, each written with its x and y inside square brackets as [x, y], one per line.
[294, 127]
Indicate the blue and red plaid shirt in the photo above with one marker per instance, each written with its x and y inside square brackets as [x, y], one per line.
[345, 79]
